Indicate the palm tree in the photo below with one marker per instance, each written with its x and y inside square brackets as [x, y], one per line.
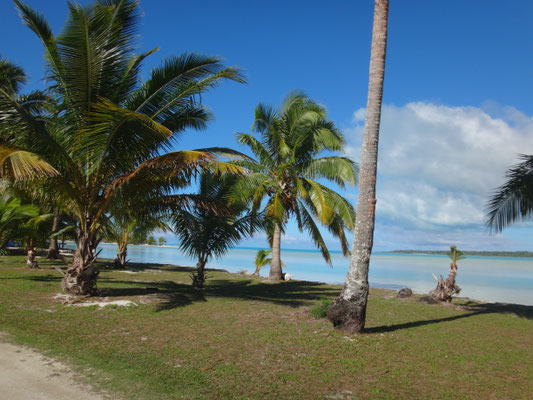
[106, 131]
[447, 288]
[12, 77]
[13, 215]
[14, 161]
[130, 224]
[33, 231]
[205, 232]
[38, 230]
[261, 259]
[348, 311]
[513, 201]
[287, 165]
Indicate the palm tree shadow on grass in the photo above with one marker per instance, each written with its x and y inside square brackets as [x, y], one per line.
[291, 294]
[474, 309]
[174, 295]
[42, 278]
[168, 294]
[106, 265]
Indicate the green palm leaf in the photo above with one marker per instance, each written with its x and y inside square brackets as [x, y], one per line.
[22, 164]
[513, 201]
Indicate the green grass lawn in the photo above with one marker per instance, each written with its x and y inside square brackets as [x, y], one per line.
[242, 338]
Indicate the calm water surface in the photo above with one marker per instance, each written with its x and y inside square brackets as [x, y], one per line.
[499, 279]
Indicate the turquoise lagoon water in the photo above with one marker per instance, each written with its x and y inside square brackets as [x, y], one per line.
[497, 279]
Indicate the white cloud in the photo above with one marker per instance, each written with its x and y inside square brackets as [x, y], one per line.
[394, 237]
[438, 164]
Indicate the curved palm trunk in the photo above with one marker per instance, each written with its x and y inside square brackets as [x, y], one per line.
[348, 311]
[80, 278]
[122, 253]
[53, 248]
[275, 266]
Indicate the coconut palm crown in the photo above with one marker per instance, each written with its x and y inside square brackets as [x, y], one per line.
[290, 157]
[105, 131]
[204, 234]
[131, 223]
[261, 259]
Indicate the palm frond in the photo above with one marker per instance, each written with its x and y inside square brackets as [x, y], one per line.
[12, 77]
[22, 164]
[340, 170]
[177, 74]
[308, 224]
[38, 24]
[204, 234]
[513, 201]
[265, 117]
[257, 148]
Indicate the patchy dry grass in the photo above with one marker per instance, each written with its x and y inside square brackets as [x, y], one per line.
[242, 338]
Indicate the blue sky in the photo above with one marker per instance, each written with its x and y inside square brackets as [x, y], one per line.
[457, 97]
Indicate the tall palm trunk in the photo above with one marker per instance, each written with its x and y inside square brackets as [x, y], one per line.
[275, 266]
[348, 311]
[53, 248]
[80, 278]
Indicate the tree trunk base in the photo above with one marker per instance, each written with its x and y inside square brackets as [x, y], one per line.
[275, 274]
[198, 280]
[348, 314]
[119, 264]
[80, 284]
[30, 261]
[53, 254]
[198, 277]
[445, 289]
[120, 259]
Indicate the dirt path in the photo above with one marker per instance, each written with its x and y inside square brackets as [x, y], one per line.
[27, 375]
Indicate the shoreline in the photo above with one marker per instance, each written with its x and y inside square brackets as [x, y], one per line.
[490, 279]
[468, 253]
[374, 285]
